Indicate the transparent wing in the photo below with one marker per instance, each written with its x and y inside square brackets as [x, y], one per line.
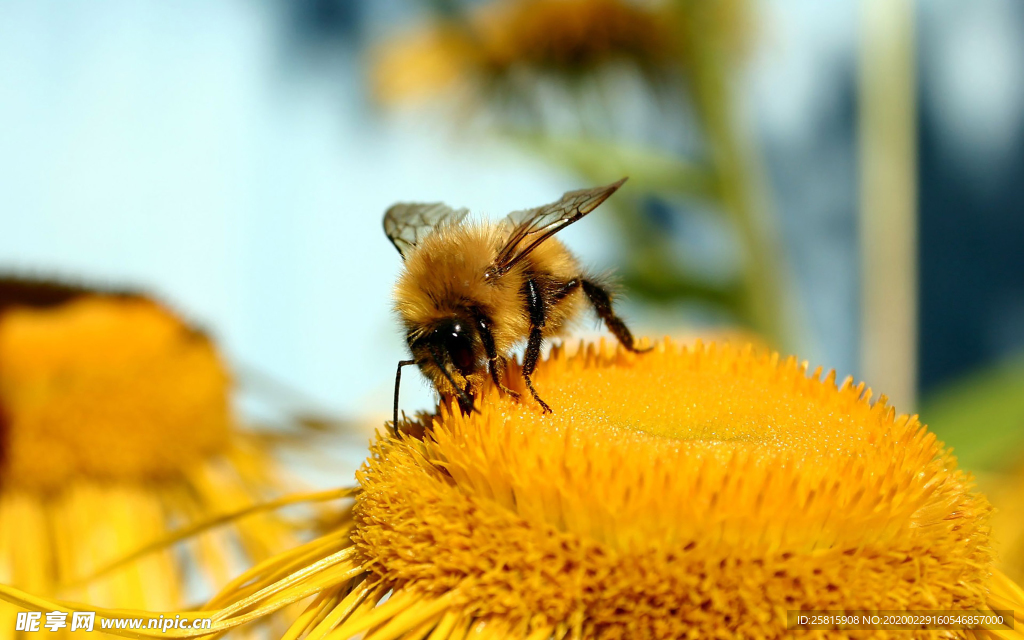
[531, 227]
[407, 223]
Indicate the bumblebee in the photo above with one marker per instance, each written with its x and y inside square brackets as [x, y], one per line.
[471, 291]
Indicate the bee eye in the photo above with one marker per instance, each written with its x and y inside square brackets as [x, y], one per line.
[457, 341]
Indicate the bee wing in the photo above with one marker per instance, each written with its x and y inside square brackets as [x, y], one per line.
[531, 227]
[406, 223]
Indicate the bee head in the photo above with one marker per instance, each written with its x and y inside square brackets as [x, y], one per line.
[451, 342]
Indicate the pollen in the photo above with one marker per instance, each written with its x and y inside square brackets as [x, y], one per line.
[106, 387]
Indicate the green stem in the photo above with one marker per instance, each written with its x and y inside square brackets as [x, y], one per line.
[735, 167]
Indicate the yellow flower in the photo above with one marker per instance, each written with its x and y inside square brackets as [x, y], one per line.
[1006, 490]
[116, 429]
[510, 37]
[681, 493]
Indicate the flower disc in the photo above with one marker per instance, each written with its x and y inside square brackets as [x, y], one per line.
[105, 386]
[116, 431]
[680, 491]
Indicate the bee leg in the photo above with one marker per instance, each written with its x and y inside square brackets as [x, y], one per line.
[495, 363]
[464, 396]
[530, 363]
[496, 374]
[566, 289]
[497, 369]
[535, 305]
[466, 402]
[602, 303]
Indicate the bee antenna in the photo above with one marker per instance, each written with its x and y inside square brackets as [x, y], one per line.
[398, 386]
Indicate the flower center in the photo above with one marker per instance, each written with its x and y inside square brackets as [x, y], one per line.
[110, 387]
[710, 441]
[678, 485]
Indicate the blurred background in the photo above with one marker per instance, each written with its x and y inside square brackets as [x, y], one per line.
[841, 180]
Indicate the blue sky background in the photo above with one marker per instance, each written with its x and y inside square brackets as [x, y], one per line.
[225, 156]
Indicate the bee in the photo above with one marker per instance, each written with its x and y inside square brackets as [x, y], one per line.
[469, 292]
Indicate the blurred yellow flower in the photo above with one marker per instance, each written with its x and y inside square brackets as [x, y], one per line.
[682, 493]
[507, 37]
[1006, 490]
[116, 429]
